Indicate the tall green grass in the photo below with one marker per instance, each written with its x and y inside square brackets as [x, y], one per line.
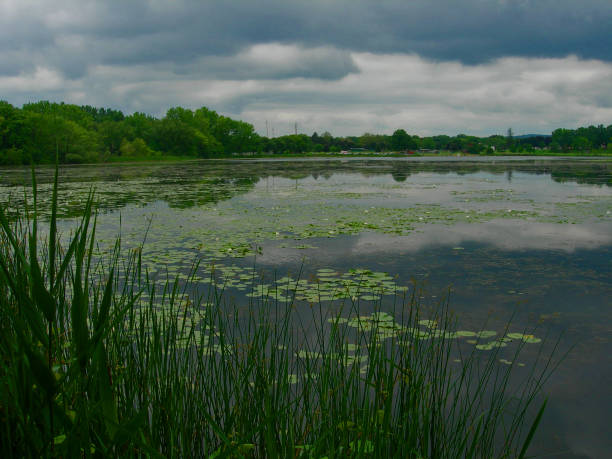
[97, 360]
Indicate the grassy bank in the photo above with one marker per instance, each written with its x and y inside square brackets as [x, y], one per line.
[149, 159]
[97, 360]
[327, 155]
[387, 154]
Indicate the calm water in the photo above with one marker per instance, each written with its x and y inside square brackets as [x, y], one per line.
[527, 240]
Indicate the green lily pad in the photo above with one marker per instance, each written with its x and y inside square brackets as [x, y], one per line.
[465, 333]
[486, 334]
[515, 335]
[530, 339]
[370, 297]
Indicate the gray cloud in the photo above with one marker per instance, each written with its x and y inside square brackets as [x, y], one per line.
[378, 93]
[274, 61]
[393, 91]
[72, 35]
[436, 66]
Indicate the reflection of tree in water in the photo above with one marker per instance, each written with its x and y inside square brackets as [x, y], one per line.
[598, 171]
[196, 183]
[585, 171]
[178, 185]
[594, 174]
[399, 175]
[211, 190]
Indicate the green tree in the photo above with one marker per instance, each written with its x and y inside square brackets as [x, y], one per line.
[112, 133]
[581, 143]
[400, 140]
[427, 143]
[136, 148]
[563, 138]
[375, 142]
[143, 126]
[510, 143]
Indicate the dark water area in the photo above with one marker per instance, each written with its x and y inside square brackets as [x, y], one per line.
[562, 294]
[500, 239]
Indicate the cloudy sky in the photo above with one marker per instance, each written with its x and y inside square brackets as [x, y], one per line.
[347, 66]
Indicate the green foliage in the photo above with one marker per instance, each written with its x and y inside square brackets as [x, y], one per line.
[293, 143]
[137, 148]
[57, 397]
[12, 156]
[582, 139]
[98, 361]
[43, 131]
[400, 140]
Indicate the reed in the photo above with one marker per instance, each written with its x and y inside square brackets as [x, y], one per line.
[98, 360]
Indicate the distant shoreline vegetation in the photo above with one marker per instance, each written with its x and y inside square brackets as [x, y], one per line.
[39, 132]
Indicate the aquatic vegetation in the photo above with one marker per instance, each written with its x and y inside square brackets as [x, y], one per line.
[226, 212]
[527, 338]
[102, 360]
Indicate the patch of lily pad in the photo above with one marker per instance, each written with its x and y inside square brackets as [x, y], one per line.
[241, 228]
[325, 286]
[385, 326]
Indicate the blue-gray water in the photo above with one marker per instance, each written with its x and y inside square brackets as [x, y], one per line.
[521, 239]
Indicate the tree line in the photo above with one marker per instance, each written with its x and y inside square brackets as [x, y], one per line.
[39, 132]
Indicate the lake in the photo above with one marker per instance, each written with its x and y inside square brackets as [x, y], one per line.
[502, 239]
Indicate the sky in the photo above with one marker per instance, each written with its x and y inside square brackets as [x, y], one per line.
[345, 66]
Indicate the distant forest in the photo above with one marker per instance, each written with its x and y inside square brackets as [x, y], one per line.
[38, 132]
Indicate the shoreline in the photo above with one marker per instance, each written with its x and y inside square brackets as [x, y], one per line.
[335, 156]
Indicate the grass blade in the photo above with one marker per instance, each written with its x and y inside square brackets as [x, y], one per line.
[532, 430]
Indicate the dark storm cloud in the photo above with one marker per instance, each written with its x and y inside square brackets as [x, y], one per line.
[347, 66]
[471, 31]
[274, 62]
[71, 36]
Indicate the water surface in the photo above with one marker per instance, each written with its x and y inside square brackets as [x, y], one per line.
[501, 238]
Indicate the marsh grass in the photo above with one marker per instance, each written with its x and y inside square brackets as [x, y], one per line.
[98, 360]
